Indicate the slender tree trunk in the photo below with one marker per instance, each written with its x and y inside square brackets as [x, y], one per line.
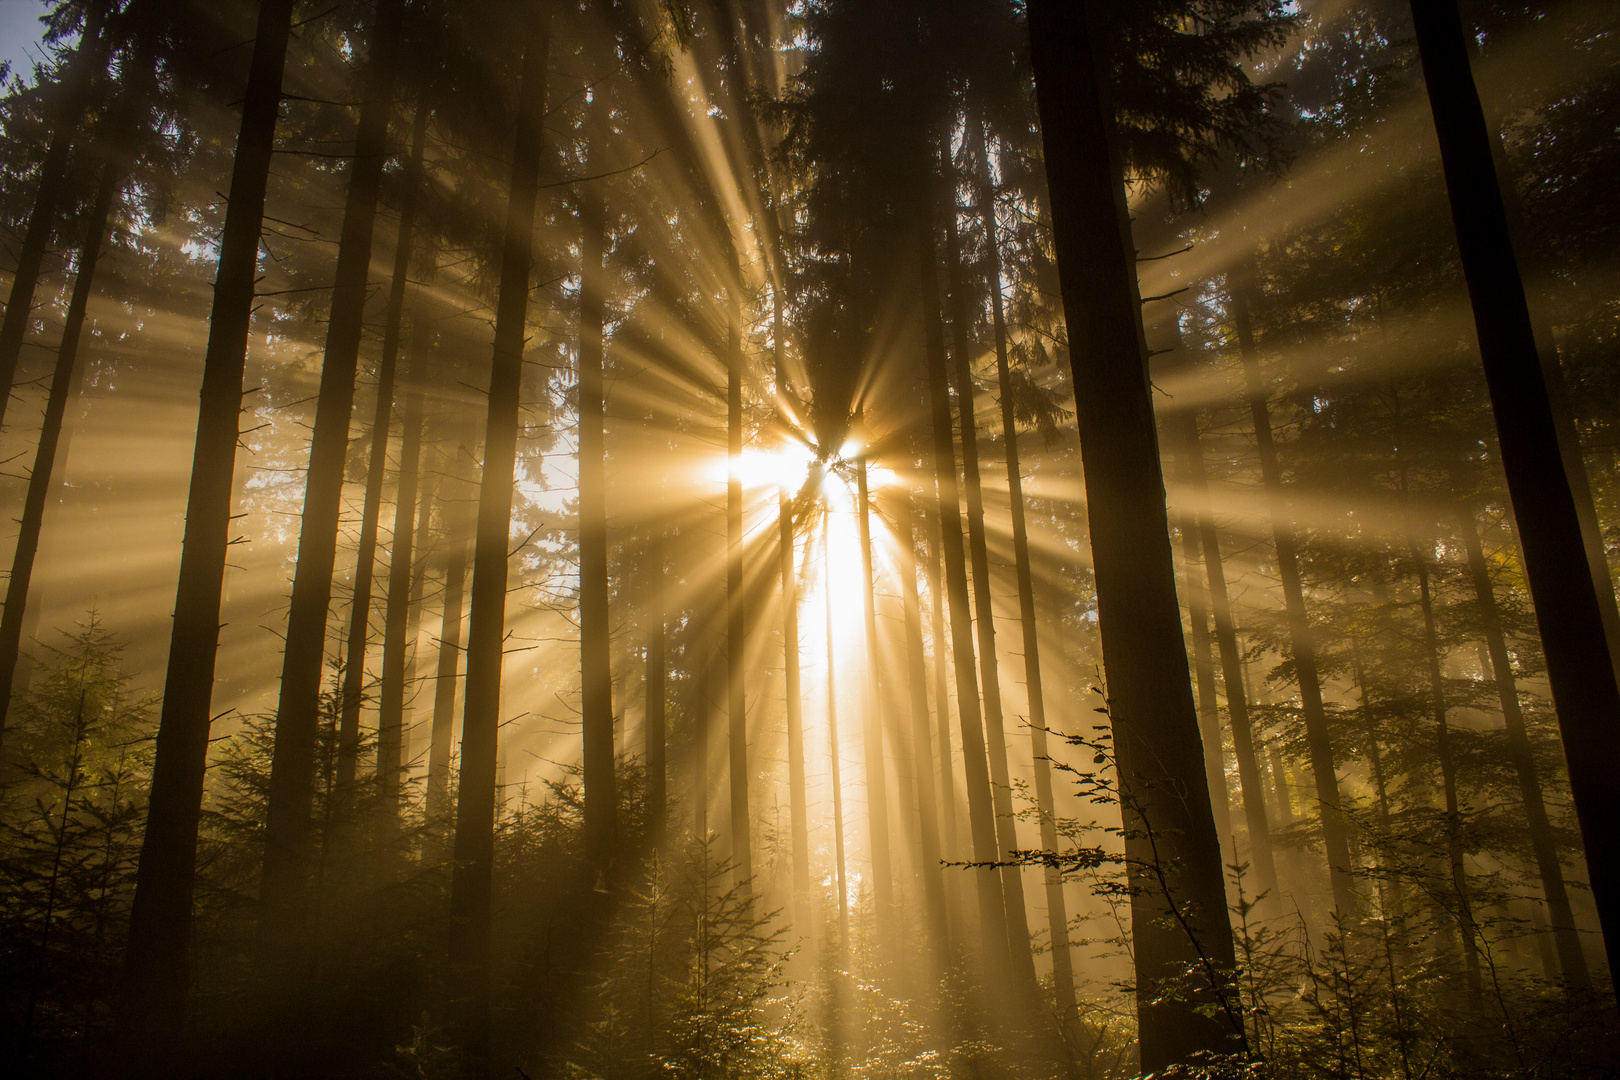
[595, 633]
[877, 788]
[473, 880]
[1012, 877]
[798, 805]
[1178, 910]
[289, 822]
[922, 751]
[409, 501]
[156, 962]
[835, 758]
[1209, 709]
[1335, 826]
[1057, 917]
[1237, 702]
[949, 810]
[655, 731]
[449, 666]
[742, 848]
[56, 403]
[1448, 775]
[981, 812]
[72, 98]
[1579, 665]
[1571, 958]
[354, 667]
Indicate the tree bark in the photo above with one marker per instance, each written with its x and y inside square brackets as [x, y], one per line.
[1571, 958]
[73, 98]
[448, 671]
[1019, 952]
[595, 633]
[922, 751]
[1171, 844]
[63, 379]
[981, 813]
[742, 847]
[409, 501]
[1237, 700]
[1057, 917]
[1209, 709]
[835, 760]
[798, 805]
[1579, 665]
[933, 569]
[472, 882]
[1448, 775]
[156, 962]
[877, 788]
[289, 822]
[655, 731]
[354, 667]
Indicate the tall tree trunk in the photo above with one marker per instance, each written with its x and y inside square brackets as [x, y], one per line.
[1571, 958]
[877, 788]
[933, 567]
[156, 962]
[981, 812]
[1579, 665]
[1448, 776]
[1019, 952]
[742, 848]
[289, 823]
[409, 501]
[448, 673]
[1178, 910]
[1209, 709]
[1057, 916]
[354, 667]
[1237, 701]
[1335, 826]
[56, 403]
[798, 805]
[595, 633]
[72, 98]
[922, 751]
[655, 731]
[835, 760]
[472, 882]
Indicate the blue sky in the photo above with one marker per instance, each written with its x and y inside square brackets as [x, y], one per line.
[19, 33]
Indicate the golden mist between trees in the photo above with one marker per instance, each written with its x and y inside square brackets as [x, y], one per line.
[810, 539]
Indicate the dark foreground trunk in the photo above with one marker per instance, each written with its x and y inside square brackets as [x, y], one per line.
[1584, 690]
[157, 961]
[1178, 903]
[473, 879]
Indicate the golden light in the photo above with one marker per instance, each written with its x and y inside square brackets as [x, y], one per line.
[787, 464]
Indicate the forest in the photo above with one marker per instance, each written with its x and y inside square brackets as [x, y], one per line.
[810, 540]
